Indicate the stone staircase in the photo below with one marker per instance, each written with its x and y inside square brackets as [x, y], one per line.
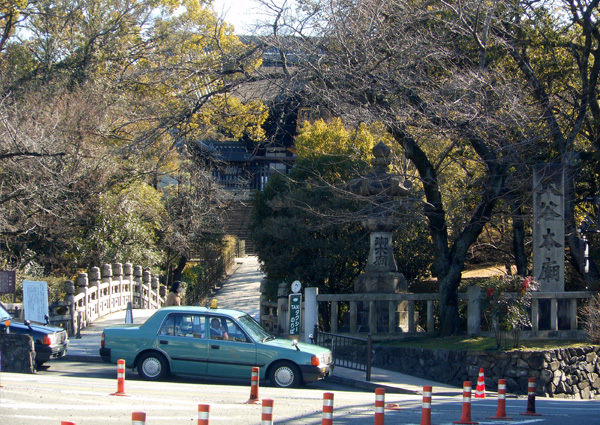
[236, 221]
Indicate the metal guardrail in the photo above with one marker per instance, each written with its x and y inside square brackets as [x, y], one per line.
[350, 352]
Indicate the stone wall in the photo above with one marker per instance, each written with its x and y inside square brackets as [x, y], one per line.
[18, 353]
[561, 373]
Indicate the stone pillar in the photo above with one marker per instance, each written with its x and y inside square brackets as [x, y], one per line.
[282, 308]
[549, 227]
[474, 310]
[311, 311]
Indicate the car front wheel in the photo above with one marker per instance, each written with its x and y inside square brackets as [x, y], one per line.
[285, 375]
[153, 366]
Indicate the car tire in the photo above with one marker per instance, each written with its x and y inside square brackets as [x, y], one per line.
[285, 375]
[153, 366]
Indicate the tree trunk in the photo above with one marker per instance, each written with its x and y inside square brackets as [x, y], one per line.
[449, 320]
[519, 241]
[179, 269]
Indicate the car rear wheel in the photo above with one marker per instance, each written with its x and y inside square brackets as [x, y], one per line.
[285, 375]
[153, 366]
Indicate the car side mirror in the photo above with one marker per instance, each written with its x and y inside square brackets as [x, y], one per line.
[46, 318]
[295, 344]
[27, 323]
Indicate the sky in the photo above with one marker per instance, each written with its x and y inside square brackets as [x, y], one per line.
[240, 13]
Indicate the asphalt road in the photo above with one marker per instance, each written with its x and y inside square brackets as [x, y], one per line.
[81, 393]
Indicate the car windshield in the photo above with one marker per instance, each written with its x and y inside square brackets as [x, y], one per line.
[3, 313]
[254, 329]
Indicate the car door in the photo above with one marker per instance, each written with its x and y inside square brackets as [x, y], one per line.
[231, 353]
[182, 337]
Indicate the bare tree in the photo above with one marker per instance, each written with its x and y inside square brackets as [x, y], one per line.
[440, 76]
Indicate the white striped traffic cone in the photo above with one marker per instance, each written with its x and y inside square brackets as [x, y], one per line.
[480, 389]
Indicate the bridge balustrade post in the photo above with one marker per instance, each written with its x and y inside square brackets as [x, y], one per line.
[70, 298]
[430, 317]
[334, 317]
[94, 282]
[535, 315]
[107, 279]
[411, 316]
[372, 317]
[392, 321]
[553, 314]
[128, 282]
[118, 282]
[137, 286]
[154, 297]
[573, 313]
[82, 288]
[145, 293]
[353, 316]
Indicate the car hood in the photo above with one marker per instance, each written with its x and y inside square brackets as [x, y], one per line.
[304, 347]
[35, 326]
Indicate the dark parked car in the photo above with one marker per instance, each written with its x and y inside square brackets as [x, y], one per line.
[51, 342]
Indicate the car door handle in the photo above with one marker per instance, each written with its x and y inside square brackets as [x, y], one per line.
[216, 347]
[164, 342]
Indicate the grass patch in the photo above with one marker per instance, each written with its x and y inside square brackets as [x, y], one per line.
[481, 343]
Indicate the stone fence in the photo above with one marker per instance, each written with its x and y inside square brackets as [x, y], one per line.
[411, 313]
[559, 373]
[103, 291]
[18, 353]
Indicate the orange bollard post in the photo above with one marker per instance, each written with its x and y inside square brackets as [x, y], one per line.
[379, 406]
[480, 389]
[327, 409]
[138, 418]
[203, 413]
[120, 378]
[531, 398]
[267, 412]
[426, 410]
[254, 387]
[466, 407]
[501, 410]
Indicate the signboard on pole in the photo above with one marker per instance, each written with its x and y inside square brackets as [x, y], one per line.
[8, 279]
[35, 300]
[295, 303]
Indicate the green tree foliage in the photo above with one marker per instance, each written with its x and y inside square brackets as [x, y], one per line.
[307, 227]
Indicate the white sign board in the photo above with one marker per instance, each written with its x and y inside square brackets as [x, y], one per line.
[35, 300]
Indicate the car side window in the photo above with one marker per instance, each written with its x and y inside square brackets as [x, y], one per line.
[185, 325]
[223, 328]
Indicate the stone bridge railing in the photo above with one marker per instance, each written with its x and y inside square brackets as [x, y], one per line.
[354, 314]
[103, 291]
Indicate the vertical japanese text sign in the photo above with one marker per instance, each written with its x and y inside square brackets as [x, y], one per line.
[8, 279]
[549, 227]
[295, 303]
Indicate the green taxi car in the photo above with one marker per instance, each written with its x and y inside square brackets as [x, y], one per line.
[212, 342]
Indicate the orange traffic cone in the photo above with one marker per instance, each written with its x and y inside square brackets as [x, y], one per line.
[480, 389]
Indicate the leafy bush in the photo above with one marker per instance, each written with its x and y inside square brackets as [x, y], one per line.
[590, 319]
[506, 305]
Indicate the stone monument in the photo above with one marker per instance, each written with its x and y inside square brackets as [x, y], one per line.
[382, 189]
